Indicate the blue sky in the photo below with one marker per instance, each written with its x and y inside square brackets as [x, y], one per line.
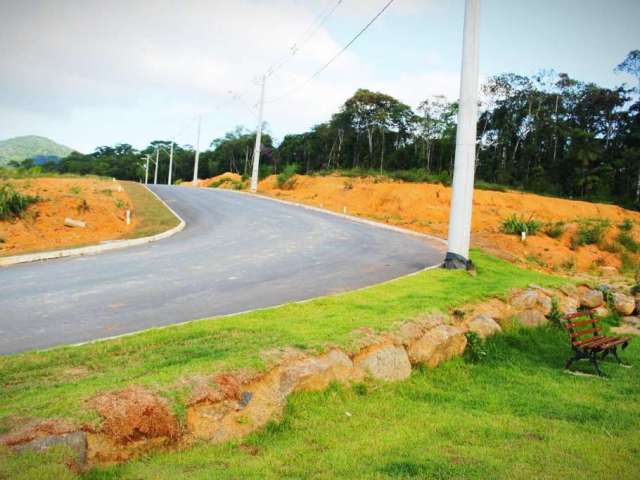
[88, 73]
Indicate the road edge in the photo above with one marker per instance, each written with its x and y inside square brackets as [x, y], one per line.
[94, 249]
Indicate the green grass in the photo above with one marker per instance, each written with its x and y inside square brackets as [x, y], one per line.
[13, 204]
[48, 384]
[515, 415]
[590, 231]
[152, 216]
[516, 225]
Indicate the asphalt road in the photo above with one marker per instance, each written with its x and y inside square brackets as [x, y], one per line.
[236, 253]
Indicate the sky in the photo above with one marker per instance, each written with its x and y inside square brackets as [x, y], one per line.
[87, 73]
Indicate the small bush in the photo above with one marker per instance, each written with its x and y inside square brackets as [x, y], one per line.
[75, 190]
[628, 242]
[13, 204]
[516, 225]
[348, 185]
[555, 315]
[107, 191]
[569, 265]
[475, 350]
[120, 204]
[626, 225]
[554, 229]
[590, 231]
[285, 179]
[629, 265]
[83, 207]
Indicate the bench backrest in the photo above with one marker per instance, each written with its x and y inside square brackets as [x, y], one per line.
[581, 326]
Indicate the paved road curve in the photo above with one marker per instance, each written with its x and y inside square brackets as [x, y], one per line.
[237, 253]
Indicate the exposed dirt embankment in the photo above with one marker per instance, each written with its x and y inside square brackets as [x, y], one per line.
[100, 204]
[425, 208]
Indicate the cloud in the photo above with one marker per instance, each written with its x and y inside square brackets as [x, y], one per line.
[86, 69]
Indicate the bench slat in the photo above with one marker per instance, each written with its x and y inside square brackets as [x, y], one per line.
[581, 323]
[585, 332]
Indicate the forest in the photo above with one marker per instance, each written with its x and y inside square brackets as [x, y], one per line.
[547, 133]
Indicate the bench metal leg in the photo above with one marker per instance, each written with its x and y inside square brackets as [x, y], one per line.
[594, 362]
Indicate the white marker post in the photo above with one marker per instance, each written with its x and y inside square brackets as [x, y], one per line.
[464, 167]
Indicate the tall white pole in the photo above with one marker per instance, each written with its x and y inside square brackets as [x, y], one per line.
[155, 174]
[170, 164]
[195, 165]
[464, 167]
[146, 172]
[256, 150]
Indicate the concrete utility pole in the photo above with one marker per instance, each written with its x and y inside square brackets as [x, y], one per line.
[464, 167]
[256, 150]
[146, 170]
[155, 175]
[195, 165]
[170, 164]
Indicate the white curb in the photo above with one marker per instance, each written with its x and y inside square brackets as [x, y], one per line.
[93, 249]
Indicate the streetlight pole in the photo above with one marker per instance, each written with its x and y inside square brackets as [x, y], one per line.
[464, 167]
[256, 151]
[146, 170]
[170, 164]
[195, 165]
[155, 175]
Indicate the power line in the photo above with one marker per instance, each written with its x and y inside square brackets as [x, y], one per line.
[335, 57]
[304, 38]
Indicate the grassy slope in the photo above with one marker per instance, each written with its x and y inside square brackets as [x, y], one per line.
[56, 382]
[151, 214]
[515, 415]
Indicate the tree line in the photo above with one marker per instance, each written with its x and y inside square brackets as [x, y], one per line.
[547, 133]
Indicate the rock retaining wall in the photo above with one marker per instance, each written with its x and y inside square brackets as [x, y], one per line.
[136, 421]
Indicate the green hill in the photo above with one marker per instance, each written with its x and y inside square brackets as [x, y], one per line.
[21, 148]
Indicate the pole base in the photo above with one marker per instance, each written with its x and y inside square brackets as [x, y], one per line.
[453, 261]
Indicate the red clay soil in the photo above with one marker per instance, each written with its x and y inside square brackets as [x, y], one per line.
[425, 208]
[42, 227]
[135, 413]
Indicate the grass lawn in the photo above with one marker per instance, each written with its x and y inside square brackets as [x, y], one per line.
[514, 415]
[153, 217]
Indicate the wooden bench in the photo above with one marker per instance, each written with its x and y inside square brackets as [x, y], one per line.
[587, 341]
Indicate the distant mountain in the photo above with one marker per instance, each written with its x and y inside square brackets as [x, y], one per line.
[31, 146]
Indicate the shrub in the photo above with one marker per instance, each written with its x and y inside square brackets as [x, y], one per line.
[75, 190]
[475, 350]
[516, 225]
[83, 207]
[348, 185]
[629, 265]
[554, 229]
[627, 241]
[555, 315]
[590, 231]
[13, 204]
[120, 204]
[285, 179]
[626, 225]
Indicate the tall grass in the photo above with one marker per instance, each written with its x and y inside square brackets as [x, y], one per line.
[285, 179]
[516, 225]
[13, 204]
[590, 231]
